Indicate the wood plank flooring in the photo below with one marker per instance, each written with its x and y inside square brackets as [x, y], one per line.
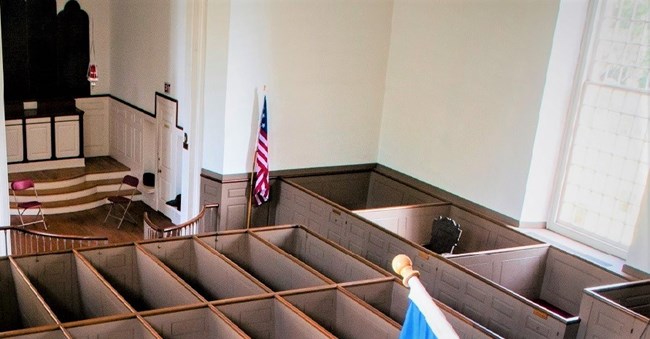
[93, 165]
[90, 223]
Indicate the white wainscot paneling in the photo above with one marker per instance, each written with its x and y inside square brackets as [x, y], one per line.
[96, 125]
[39, 139]
[14, 130]
[66, 131]
[126, 144]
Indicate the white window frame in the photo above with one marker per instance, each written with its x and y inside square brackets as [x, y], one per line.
[582, 69]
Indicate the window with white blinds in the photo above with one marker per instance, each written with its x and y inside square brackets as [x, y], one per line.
[605, 172]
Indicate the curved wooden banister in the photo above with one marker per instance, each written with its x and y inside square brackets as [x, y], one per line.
[18, 240]
[192, 226]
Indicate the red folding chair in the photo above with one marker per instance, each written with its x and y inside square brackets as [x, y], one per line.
[23, 207]
[123, 201]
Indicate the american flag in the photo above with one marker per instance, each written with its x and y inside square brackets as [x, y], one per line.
[262, 184]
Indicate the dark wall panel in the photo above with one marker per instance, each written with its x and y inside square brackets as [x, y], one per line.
[45, 55]
[41, 40]
[14, 49]
[72, 49]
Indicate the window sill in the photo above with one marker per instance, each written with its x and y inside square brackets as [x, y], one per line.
[602, 259]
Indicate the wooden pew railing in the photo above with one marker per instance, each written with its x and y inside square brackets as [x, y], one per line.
[193, 226]
[18, 240]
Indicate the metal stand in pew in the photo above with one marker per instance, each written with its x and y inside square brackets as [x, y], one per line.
[445, 235]
[423, 318]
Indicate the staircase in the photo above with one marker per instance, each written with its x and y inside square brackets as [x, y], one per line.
[73, 189]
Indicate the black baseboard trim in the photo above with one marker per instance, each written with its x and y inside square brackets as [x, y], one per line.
[447, 196]
[122, 101]
[289, 173]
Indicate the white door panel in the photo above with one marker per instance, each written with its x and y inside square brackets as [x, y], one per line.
[169, 150]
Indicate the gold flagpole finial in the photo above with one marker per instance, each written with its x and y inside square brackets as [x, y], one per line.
[403, 266]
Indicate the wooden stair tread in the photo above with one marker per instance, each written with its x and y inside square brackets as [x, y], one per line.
[94, 165]
[75, 189]
[104, 164]
[70, 189]
[78, 201]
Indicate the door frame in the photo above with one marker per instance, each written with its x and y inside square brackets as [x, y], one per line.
[161, 101]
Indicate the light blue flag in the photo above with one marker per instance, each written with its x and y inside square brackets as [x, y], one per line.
[423, 318]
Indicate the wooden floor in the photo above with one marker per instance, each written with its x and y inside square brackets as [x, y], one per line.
[93, 165]
[90, 223]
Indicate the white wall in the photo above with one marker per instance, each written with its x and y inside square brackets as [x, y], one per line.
[141, 54]
[463, 91]
[149, 46]
[216, 71]
[324, 63]
[138, 52]
[152, 43]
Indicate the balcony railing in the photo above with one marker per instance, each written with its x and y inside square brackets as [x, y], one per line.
[193, 226]
[17, 241]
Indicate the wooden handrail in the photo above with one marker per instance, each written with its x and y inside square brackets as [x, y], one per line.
[18, 240]
[52, 235]
[192, 226]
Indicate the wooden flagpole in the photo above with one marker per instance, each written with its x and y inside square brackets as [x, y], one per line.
[249, 208]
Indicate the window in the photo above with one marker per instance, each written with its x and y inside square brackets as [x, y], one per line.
[606, 168]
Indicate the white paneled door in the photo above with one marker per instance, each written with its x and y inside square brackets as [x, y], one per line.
[169, 152]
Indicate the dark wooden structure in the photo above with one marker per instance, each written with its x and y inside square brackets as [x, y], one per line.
[45, 54]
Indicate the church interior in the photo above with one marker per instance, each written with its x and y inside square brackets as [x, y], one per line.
[503, 146]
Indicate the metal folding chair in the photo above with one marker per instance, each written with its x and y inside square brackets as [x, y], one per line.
[123, 201]
[23, 207]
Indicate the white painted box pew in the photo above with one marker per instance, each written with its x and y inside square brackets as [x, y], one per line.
[204, 269]
[548, 276]
[342, 314]
[70, 287]
[363, 190]
[144, 282]
[204, 322]
[506, 313]
[133, 327]
[616, 311]
[415, 224]
[410, 222]
[271, 317]
[331, 260]
[273, 268]
[391, 298]
[21, 306]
